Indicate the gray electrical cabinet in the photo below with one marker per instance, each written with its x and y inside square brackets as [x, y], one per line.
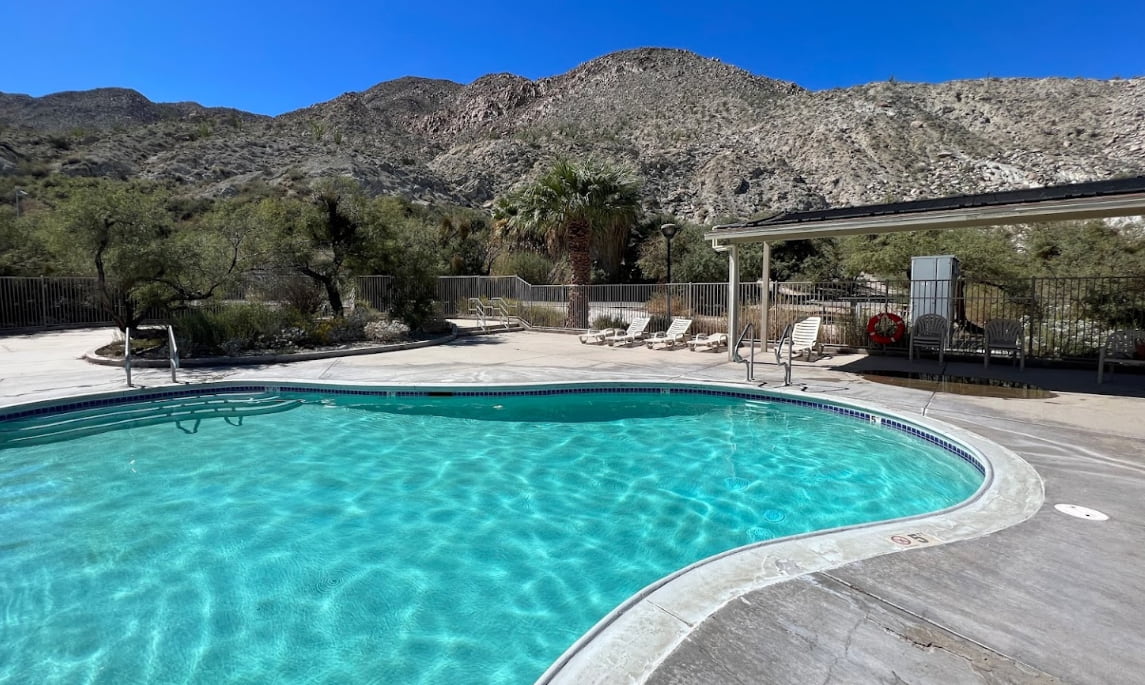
[933, 286]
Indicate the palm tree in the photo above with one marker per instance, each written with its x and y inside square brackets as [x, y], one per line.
[573, 206]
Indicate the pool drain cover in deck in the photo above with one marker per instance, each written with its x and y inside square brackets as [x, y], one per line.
[1081, 512]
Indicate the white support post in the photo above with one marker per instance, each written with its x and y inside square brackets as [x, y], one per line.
[765, 300]
[733, 300]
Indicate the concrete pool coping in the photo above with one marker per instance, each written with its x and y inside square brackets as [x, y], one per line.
[1049, 599]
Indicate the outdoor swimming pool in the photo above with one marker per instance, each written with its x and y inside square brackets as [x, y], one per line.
[333, 535]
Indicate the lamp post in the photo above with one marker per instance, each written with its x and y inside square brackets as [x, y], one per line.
[19, 194]
[669, 231]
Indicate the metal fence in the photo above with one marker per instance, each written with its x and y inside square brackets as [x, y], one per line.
[48, 302]
[1064, 318]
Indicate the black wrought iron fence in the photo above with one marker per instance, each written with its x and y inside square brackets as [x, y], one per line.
[50, 302]
[1063, 318]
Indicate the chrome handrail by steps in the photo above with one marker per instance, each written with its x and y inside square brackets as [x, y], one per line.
[127, 355]
[173, 349]
[736, 357]
[785, 339]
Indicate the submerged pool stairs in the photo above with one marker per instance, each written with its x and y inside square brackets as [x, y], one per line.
[186, 413]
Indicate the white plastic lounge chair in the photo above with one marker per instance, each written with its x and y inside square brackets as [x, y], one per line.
[708, 341]
[677, 331]
[1004, 334]
[635, 332]
[929, 330]
[595, 336]
[1121, 347]
[803, 337]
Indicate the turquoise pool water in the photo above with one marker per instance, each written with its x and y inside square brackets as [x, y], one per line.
[311, 539]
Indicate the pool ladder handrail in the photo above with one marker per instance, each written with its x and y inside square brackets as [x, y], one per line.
[785, 341]
[496, 308]
[477, 307]
[173, 354]
[737, 357]
[501, 308]
[127, 355]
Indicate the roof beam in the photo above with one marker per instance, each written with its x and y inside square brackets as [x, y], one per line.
[1131, 204]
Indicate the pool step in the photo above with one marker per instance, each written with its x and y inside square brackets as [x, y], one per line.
[186, 414]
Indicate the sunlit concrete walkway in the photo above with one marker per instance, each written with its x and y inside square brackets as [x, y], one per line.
[1053, 599]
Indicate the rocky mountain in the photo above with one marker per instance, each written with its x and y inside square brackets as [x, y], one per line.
[707, 140]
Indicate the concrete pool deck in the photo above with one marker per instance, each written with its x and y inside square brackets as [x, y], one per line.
[1051, 599]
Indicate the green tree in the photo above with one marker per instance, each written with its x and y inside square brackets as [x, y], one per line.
[463, 238]
[573, 206]
[406, 246]
[142, 257]
[22, 248]
[694, 260]
[118, 230]
[985, 254]
[1090, 248]
[322, 236]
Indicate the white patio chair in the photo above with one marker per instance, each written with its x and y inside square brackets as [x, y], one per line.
[668, 339]
[708, 341]
[929, 330]
[595, 336]
[1004, 334]
[803, 337]
[635, 332]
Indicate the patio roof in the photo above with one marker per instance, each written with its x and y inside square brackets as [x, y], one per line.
[1121, 197]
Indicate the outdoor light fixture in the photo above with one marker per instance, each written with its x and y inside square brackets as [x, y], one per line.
[669, 231]
[19, 194]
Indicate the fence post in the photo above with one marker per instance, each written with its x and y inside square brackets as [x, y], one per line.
[1030, 328]
[43, 302]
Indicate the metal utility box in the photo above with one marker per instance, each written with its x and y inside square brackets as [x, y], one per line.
[933, 286]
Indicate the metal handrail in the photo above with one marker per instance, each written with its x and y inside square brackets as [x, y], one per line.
[785, 338]
[127, 355]
[736, 357]
[501, 307]
[174, 352]
[476, 306]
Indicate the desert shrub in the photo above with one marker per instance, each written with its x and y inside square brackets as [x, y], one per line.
[543, 316]
[606, 321]
[413, 302]
[529, 266]
[293, 291]
[659, 322]
[658, 304]
[1122, 307]
[436, 325]
[338, 331]
[387, 331]
[238, 328]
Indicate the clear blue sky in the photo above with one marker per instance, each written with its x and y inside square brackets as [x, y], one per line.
[275, 57]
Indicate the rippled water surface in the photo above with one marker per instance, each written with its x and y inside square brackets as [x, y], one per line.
[408, 540]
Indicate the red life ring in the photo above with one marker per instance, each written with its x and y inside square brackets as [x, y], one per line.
[886, 328]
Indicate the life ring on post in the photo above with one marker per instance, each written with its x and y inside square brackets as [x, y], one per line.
[886, 328]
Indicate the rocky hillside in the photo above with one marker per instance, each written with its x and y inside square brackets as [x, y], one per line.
[707, 140]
